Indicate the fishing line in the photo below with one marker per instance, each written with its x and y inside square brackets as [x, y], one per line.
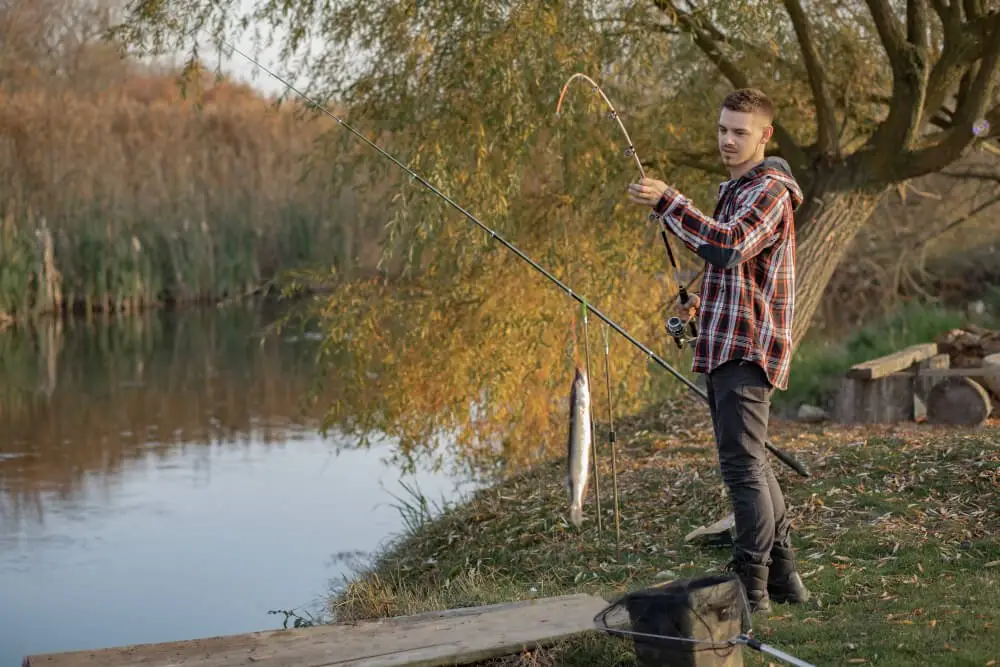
[611, 441]
[783, 456]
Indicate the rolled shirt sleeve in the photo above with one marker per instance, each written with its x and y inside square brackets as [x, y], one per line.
[753, 227]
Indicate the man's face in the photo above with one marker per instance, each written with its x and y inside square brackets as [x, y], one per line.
[741, 136]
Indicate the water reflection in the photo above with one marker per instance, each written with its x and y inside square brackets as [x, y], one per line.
[162, 480]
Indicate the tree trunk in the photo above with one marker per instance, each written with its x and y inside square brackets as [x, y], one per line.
[836, 207]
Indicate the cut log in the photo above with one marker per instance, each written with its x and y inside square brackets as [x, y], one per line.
[885, 400]
[958, 401]
[892, 363]
[992, 380]
[923, 383]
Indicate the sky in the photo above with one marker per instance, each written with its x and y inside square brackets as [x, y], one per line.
[237, 66]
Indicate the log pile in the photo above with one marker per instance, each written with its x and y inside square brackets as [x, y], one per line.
[967, 347]
[954, 380]
[975, 347]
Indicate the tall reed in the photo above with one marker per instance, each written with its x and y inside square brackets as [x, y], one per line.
[135, 195]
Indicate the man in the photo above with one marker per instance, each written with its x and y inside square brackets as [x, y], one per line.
[744, 341]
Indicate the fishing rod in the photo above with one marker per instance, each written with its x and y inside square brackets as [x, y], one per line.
[784, 457]
[675, 326]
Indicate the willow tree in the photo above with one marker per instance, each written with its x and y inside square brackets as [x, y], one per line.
[869, 94]
[896, 91]
[464, 92]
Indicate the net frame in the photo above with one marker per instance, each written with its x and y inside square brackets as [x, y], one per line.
[684, 590]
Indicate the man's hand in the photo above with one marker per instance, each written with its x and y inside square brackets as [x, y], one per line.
[688, 310]
[647, 191]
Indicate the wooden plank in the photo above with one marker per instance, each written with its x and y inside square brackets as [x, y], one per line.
[450, 637]
[892, 363]
[720, 527]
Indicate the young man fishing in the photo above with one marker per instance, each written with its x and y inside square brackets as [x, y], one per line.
[744, 313]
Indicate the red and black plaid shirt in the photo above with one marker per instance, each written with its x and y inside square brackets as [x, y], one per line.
[748, 291]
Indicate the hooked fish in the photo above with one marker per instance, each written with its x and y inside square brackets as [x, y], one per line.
[578, 460]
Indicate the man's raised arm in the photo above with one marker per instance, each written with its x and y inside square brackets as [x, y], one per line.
[753, 226]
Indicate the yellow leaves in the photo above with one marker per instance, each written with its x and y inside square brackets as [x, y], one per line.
[487, 353]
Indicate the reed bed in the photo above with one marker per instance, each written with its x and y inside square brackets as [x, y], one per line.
[136, 195]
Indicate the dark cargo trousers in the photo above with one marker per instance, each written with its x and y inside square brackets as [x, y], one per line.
[739, 397]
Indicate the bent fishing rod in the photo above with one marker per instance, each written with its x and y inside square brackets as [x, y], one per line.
[783, 456]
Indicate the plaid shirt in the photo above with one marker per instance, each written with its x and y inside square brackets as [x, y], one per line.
[748, 292]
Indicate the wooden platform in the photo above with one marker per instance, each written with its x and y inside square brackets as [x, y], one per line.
[453, 637]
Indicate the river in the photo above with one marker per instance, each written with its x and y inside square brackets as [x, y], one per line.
[160, 480]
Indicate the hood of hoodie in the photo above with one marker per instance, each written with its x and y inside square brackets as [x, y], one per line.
[778, 169]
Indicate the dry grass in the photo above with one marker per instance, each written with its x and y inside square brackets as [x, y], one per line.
[145, 196]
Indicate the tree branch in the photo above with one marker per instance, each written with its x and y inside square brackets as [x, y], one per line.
[889, 31]
[910, 67]
[826, 119]
[963, 46]
[795, 154]
[993, 118]
[756, 49]
[954, 223]
[973, 173]
[973, 8]
[950, 144]
[917, 27]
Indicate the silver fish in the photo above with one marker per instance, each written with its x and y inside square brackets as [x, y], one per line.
[578, 461]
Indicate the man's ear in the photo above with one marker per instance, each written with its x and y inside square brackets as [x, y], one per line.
[768, 133]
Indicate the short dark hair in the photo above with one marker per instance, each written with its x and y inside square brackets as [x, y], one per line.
[749, 100]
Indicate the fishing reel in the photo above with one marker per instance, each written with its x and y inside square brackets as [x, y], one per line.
[675, 326]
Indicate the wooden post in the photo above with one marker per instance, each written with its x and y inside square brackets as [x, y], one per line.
[710, 610]
[924, 383]
[874, 392]
[884, 400]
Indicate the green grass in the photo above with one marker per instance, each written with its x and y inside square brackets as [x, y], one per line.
[896, 538]
[146, 263]
[819, 360]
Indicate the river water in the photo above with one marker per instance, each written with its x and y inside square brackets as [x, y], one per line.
[161, 480]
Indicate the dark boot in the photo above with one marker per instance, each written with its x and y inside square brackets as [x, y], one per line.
[783, 582]
[754, 580]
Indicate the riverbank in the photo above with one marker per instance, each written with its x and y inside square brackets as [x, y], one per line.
[894, 531]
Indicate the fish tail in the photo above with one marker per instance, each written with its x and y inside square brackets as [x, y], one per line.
[576, 515]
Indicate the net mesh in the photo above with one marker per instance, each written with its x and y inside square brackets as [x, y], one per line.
[680, 617]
